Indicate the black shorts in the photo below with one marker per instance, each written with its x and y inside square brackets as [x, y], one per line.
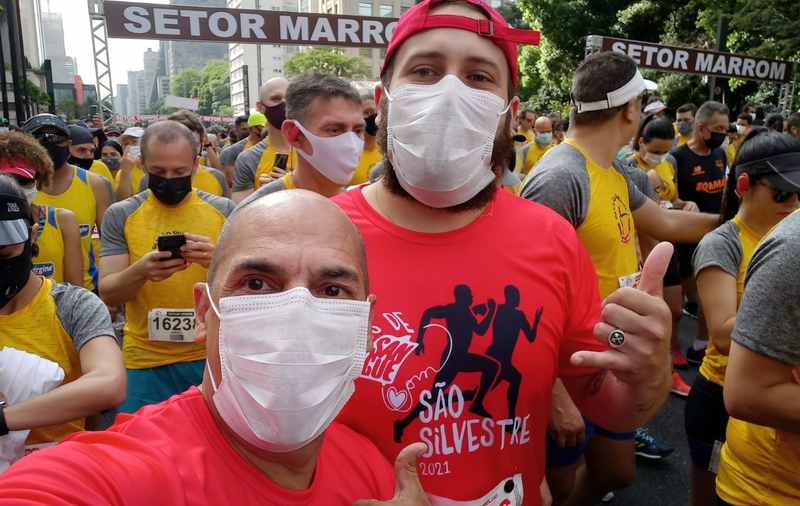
[673, 275]
[706, 421]
[685, 254]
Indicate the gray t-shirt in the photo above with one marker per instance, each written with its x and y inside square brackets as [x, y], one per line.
[218, 175]
[113, 241]
[720, 248]
[768, 321]
[271, 187]
[82, 314]
[561, 182]
[228, 155]
[244, 178]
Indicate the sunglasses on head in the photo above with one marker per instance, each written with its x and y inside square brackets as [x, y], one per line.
[51, 138]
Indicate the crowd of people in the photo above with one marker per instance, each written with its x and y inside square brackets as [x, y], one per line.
[429, 276]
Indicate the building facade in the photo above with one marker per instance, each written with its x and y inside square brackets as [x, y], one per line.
[121, 99]
[64, 67]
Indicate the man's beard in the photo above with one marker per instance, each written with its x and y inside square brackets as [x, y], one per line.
[502, 154]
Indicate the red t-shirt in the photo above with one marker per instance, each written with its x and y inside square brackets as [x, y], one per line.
[504, 302]
[174, 453]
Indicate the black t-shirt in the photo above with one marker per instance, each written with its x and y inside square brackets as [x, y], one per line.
[701, 179]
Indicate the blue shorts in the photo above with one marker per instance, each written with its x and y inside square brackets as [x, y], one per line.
[569, 455]
[156, 384]
[562, 457]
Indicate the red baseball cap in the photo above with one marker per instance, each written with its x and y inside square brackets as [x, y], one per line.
[17, 169]
[418, 19]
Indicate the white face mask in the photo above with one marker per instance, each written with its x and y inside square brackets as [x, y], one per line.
[30, 193]
[544, 139]
[336, 158]
[725, 143]
[440, 137]
[289, 361]
[653, 159]
[741, 129]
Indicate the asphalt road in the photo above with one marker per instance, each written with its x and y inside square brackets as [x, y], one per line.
[666, 482]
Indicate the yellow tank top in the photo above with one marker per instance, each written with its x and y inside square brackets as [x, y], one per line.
[267, 161]
[205, 181]
[50, 260]
[714, 363]
[78, 198]
[608, 232]
[101, 169]
[368, 159]
[37, 329]
[142, 228]
[666, 173]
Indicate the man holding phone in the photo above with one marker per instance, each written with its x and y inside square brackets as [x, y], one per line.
[325, 125]
[156, 245]
[257, 166]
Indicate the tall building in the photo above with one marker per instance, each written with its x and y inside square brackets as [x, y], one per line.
[152, 61]
[182, 55]
[380, 8]
[121, 99]
[272, 55]
[137, 94]
[53, 35]
[31, 14]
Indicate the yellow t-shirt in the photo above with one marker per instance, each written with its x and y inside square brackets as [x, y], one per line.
[37, 329]
[665, 171]
[529, 155]
[267, 162]
[101, 169]
[78, 198]
[730, 154]
[132, 227]
[608, 232]
[680, 139]
[368, 159]
[49, 262]
[714, 363]
[136, 178]
[530, 135]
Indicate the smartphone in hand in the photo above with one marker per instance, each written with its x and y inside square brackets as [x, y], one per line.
[172, 243]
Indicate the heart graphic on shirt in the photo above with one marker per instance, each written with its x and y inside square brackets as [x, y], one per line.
[396, 398]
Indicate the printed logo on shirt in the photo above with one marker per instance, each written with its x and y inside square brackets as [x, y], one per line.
[698, 170]
[85, 229]
[454, 420]
[714, 186]
[45, 269]
[623, 218]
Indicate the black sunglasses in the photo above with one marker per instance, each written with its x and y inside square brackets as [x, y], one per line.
[778, 196]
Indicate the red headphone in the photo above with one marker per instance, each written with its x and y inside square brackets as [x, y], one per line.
[742, 184]
[293, 132]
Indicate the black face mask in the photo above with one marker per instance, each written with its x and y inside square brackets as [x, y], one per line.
[276, 114]
[84, 163]
[58, 154]
[14, 273]
[716, 140]
[112, 163]
[170, 191]
[371, 126]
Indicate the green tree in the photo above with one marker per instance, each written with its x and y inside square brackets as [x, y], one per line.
[186, 83]
[327, 61]
[214, 91]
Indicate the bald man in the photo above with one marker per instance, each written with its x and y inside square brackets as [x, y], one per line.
[530, 154]
[272, 157]
[293, 298]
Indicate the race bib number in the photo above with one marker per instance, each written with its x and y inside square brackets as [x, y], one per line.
[507, 493]
[47, 269]
[631, 281]
[171, 325]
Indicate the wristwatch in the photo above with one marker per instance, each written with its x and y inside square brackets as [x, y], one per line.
[3, 426]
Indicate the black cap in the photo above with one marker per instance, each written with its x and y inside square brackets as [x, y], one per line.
[781, 171]
[79, 135]
[15, 219]
[50, 122]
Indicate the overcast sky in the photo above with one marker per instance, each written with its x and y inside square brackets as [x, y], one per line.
[125, 54]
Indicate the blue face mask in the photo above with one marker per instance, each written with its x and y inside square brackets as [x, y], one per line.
[621, 154]
[543, 139]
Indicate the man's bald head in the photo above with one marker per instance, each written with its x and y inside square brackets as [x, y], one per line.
[273, 91]
[297, 226]
[543, 125]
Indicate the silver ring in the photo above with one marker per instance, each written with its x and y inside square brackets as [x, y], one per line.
[616, 338]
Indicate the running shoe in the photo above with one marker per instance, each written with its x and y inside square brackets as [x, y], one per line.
[695, 357]
[680, 387]
[647, 447]
[607, 498]
[679, 360]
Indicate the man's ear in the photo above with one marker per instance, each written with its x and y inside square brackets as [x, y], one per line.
[631, 110]
[514, 110]
[201, 307]
[291, 132]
